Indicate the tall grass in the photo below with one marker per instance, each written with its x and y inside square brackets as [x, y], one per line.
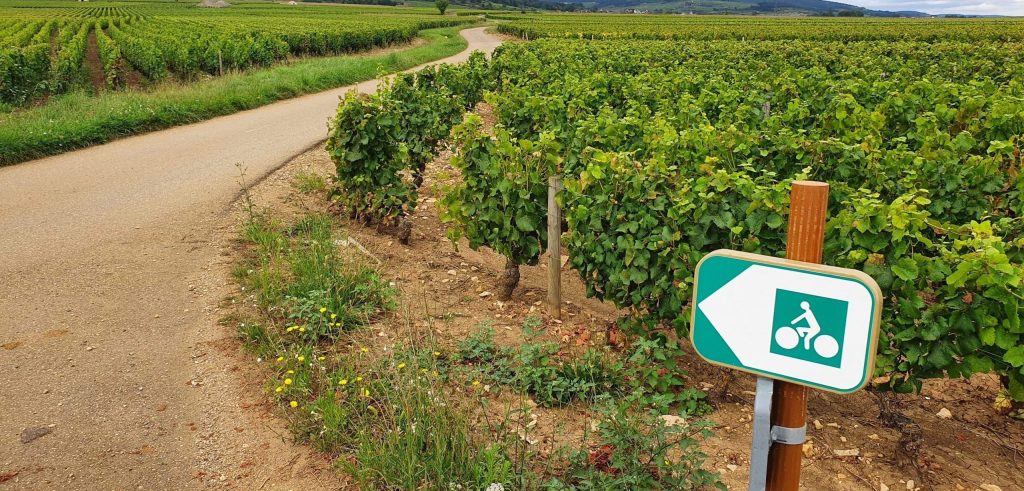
[386, 414]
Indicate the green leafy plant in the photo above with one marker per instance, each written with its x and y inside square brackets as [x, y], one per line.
[501, 201]
[637, 449]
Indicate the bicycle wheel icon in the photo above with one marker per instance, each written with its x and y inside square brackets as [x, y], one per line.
[824, 345]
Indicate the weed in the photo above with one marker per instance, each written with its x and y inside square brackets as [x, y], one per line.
[638, 449]
[389, 415]
[310, 182]
[479, 347]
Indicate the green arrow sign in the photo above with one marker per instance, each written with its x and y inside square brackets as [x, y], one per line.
[805, 323]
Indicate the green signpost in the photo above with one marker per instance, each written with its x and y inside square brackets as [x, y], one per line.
[805, 323]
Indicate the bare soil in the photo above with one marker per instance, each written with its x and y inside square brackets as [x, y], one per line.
[446, 288]
[93, 64]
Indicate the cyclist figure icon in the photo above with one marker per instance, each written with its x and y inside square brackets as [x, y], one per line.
[789, 337]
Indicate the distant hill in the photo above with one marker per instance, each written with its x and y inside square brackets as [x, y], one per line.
[748, 7]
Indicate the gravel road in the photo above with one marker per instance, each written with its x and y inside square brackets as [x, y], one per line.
[112, 270]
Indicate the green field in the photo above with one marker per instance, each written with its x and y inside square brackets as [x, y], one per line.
[51, 48]
[672, 149]
[74, 74]
[681, 27]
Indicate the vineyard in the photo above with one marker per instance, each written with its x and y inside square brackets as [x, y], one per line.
[672, 149]
[674, 27]
[45, 50]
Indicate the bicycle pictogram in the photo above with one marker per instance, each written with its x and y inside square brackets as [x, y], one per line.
[789, 337]
[809, 327]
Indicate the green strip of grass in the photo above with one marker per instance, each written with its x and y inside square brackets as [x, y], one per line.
[80, 120]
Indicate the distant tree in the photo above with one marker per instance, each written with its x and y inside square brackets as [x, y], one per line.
[850, 13]
[442, 5]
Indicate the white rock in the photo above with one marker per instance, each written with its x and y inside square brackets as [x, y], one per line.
[852, 452]
[990, 487]
[818, 425]
[944, 414]
[671, 420]
[883, 487]
[910, 485]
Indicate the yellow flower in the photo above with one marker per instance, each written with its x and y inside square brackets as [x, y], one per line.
[291, 372]
[334, 316]
[323, 309]
[290, 329]
[279, 389]
[280, 358]
[301, 358]
[476, 382]
[320, 358]
[423, 370]
[359, 379]
[401, 366]
[437, 353]
[287, 381]
[343, 381]
[293, 404]
[364, 350]
[366, 392]
[302, 329]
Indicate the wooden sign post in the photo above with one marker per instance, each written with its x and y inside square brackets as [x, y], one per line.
[805, 241]
[793, 322]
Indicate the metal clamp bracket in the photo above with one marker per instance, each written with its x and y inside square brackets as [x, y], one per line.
[789, 436]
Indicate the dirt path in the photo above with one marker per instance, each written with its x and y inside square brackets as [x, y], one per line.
[110, 276]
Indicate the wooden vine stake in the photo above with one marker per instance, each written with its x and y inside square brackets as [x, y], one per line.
[804, 242]
[554, 248]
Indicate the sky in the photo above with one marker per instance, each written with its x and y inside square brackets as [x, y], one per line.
[1001, 7]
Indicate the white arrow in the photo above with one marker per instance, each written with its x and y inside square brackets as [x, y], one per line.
[742, 312]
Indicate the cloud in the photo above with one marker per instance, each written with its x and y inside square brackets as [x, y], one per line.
[1000, 7]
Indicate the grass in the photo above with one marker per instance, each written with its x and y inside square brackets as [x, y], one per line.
[416, 415]
[387, 411]
[310, 182]
[79, 120]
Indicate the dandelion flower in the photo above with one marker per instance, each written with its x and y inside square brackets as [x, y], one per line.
[323, 309]
[287, 381]
[291, 372]
[334, 316]
[280, 358]
[437, 353]
[359, 379]
[343, 381]
[366, 392]
[279, 389]
[293, 404]
[476, 382]
[302, 329]
[401, 366]
[320, 358]
[301, 358]
[364, 350]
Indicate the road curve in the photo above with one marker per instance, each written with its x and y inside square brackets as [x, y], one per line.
[110, 277]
